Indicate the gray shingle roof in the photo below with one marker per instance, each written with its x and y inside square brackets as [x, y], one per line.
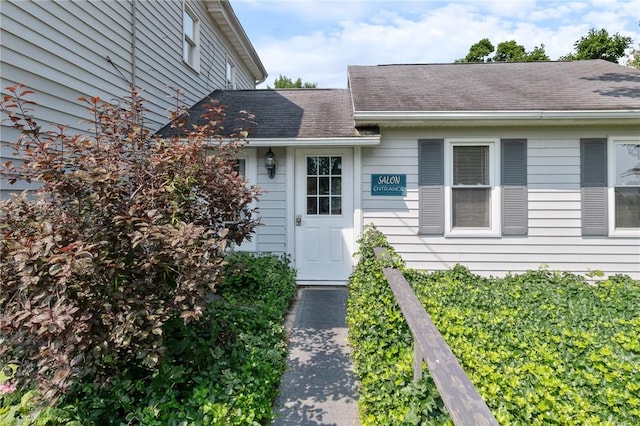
[531, 86]
[293, 113]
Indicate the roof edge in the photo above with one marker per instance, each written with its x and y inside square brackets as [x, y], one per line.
[223, 14]
[338, 141]
[369, 116]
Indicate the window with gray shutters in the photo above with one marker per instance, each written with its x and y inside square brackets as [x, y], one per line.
[470, 167]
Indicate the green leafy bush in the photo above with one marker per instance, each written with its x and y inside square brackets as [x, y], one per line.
[541, 347]
[223, 369]
[383, 349]
[126, 231]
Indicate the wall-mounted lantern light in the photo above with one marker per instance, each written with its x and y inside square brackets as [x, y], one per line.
[270, 163]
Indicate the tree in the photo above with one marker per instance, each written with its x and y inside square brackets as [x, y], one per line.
[283, 82]
[126, 231]
[507, 51]
[537, 54]
[634, 57]
[598, 44]
[479, 52]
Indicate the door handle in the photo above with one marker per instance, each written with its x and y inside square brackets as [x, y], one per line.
[298, 220]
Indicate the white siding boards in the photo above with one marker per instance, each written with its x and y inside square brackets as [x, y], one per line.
[64, 50]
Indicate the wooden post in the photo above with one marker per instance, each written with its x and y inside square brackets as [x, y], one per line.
[417, 361]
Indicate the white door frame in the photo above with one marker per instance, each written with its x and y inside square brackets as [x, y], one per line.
[290, 206]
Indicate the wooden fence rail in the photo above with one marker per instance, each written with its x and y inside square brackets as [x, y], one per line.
[464, 403]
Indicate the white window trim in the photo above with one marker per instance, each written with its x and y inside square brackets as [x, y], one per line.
[611, 178]
[494, 182]
[251, 175]
[195, 63]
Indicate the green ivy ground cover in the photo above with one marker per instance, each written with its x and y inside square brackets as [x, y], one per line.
[382, 349]
[542, 347]
[222, 370]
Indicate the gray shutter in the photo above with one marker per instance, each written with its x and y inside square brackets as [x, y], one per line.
[514, 187]
[593, 186]
[431, 183]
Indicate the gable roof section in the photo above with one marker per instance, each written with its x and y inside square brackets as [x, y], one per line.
[223, 14]
[285, 114]
[507, 86]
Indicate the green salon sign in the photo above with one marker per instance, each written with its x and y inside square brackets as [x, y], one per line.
[389, 185]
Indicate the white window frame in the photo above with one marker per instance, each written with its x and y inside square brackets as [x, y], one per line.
[611, 196]
[494, 183]
[251, 175]
[191, 45]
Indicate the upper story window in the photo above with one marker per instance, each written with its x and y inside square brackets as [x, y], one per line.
[190, 38]
[625, 182]
[230, 76]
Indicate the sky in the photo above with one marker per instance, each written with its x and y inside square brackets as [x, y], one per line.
[317, 39]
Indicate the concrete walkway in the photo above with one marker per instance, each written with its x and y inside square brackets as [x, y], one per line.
[319, 387]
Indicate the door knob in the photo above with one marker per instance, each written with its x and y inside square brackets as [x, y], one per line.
[298, 220]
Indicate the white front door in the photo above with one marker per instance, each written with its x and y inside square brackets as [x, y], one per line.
[324, 215]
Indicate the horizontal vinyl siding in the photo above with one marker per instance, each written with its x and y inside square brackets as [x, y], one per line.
[554, 222]
[399, 156]
[272, 205]
[160, 69]
[59, 50]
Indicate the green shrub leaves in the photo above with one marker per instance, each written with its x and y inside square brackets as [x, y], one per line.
[543, 347]
[222, 369]
[125, 231]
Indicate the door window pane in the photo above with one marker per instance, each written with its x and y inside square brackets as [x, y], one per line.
[336, 205]
[312, 205]
[312, 166]
[323, 165]
[312, 186]
[324, 185]
[336, 166]
[323, 207]
[336, 185]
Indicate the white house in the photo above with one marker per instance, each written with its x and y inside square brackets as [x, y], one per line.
[63, 50]
[501, 167]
